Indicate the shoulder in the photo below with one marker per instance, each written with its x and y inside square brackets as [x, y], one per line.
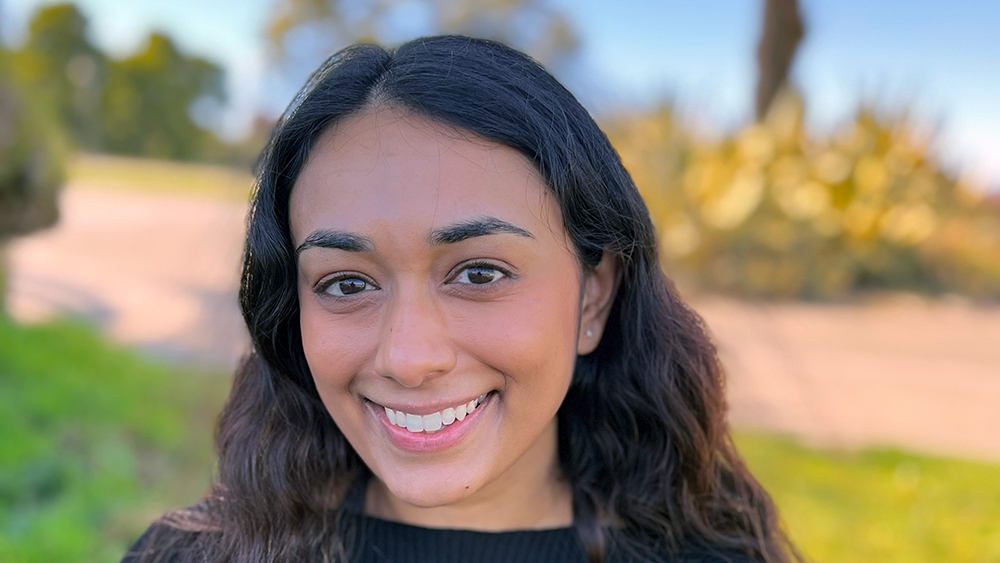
[173, 538]
[162, 543]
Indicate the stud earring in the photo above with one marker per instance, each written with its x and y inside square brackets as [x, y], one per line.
[589, 334]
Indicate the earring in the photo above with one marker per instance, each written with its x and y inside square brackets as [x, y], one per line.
[589, 334]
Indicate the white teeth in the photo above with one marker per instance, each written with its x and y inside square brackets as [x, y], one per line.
[447, 416]
[414, 423]
[434, 421]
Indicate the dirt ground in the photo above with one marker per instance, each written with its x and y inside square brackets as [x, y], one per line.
[160, 272]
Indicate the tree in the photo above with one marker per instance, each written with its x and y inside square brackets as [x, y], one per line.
[64, 70]
[303, 32]
[148, 101]
[143, 105]
[780, 37]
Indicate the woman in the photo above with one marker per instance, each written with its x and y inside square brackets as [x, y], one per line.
[463, 345]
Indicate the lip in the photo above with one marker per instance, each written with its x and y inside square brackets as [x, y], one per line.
[443, 439]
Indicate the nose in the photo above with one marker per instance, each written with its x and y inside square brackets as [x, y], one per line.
[414, 345]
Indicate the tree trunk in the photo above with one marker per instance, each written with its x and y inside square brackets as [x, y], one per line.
[780, 37]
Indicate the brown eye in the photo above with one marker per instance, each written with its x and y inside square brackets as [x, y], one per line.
[479, 275]
[347, 286]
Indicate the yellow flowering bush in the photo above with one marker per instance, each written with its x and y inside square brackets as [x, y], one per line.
[774, 212]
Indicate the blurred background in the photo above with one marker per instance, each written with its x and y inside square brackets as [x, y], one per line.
[824, 178]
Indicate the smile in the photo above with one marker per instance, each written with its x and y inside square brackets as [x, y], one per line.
[431, 432]
[433, 422]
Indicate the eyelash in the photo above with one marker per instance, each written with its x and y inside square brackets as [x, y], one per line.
[485, 266]
[324, 285]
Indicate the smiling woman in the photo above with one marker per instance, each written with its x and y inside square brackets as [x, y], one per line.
[464, 347]
[447, 310]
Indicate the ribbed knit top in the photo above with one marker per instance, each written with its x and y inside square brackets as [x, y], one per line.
[382, 541]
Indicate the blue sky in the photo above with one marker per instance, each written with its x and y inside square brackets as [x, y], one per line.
[940, 58]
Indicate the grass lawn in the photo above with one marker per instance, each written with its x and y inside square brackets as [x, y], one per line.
[880, 506]
[96, 442]
[105, 172]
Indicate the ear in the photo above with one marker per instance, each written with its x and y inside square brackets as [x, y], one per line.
[600, 286]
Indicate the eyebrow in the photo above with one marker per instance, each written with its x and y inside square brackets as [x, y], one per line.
[328, 238]
[451, 234]
[477, 227]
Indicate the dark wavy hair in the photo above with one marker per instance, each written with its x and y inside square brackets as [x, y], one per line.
[643, 437]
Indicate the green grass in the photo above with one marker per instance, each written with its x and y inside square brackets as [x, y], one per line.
[104, 172]
[94, 443]
[880, 505]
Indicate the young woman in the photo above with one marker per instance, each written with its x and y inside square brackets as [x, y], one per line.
[464, 348]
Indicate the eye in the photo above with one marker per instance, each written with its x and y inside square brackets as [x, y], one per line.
[480, 274]
[346, 285]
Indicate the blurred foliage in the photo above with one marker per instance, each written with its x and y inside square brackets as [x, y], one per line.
[879, 506]
[64, 70]
[312, 29]
[156, 102]
[771, 211]
[31, 155]
[96, 443]
[149, 98]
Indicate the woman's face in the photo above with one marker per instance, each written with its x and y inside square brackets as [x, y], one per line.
[434, 272]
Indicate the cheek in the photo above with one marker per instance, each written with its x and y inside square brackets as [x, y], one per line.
[542, 323]
[531, 339]
[335, 347]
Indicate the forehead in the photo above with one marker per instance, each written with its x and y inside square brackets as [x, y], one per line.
[389, 169]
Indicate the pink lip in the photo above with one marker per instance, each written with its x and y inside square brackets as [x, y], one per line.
[443, 439]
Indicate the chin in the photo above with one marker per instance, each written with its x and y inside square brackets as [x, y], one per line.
[431, 487]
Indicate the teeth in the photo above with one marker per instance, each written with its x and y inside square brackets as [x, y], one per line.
[447, 416]
[432, 422]
[435, 421]
[414, 423]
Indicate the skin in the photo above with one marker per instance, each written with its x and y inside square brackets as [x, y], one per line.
[415, 325]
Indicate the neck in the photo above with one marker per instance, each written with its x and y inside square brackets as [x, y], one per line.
[530, 494]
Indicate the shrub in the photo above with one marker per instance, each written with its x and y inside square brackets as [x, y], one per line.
[771, 211]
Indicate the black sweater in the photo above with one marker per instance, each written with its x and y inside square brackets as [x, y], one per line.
[384, 542]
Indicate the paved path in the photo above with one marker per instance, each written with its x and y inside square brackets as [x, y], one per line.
[155, 271]
[160, 273]
[908, 372]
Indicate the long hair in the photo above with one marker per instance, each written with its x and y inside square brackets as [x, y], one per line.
[643, 437]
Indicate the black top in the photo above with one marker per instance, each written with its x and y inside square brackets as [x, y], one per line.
[383, 542]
